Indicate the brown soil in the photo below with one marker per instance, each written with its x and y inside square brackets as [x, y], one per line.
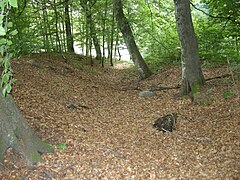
[108, 129]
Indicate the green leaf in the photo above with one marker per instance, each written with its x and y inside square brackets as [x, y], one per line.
[10, 24]
[8, 88]
[3, 41]
[13, 3]
[14, 32]
[62, 146]
[226, 95]
[2, 31]
[2, 5]
[9, 43]
[1, 53]
[1, 19]
[4, 91]
[51, 146]
[5, 78]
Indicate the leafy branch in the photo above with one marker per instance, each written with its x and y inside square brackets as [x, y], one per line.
[228, 18]
[7, 72]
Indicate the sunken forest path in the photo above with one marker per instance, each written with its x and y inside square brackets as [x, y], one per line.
[108, 128]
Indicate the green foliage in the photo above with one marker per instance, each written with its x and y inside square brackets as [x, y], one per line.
[13, 3]
[2, 31]
[204, 98]
[218, 30]
[51, 147]
[62, 146]
[157, 63]
[5, 44]
[153, 24]
[226, 95]
[234, 66]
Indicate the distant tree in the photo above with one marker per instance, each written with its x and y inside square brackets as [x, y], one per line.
[57, 32]
[128, 37]
[192, 76]
[111, 40]
[69, 36]
[91, 34]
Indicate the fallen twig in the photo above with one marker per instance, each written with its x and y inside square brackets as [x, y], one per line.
[116, 153]
[161, 88]
[165, 88]
[218, 77]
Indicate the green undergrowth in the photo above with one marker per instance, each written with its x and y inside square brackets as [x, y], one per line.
[156, 64]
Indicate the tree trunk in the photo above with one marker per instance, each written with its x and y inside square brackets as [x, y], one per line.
[15, 133]
[45, 29]
[87, 7]
[125, 28]
[68, 29]
[58, 43]
[192, 76]
[104, 17]
[95, 39]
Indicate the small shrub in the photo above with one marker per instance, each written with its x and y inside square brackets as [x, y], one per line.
[62, 146]
[226, 95]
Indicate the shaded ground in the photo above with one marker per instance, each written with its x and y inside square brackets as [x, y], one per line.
[108, 129]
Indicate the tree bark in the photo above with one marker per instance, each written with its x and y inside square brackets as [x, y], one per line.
[69, 36]
[45, 28]
[15, 133]
[112, 39]
[192, 76]
[95, 40]
[126, 31]
[58, 41]
[87, 7]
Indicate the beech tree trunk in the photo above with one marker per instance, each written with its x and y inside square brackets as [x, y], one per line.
[69, 36]
[58, 41]
[87, 7]
[126, 31]
[192, 76]
[95, 40]
[15, 133]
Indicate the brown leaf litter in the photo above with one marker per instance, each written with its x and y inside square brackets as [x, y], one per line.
[108, 128]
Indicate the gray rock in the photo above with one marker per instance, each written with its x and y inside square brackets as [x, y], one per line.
[146, 94]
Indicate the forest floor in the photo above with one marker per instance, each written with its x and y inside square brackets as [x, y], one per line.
[102, 129]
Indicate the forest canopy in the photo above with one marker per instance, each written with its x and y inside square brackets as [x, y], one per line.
[48, 26]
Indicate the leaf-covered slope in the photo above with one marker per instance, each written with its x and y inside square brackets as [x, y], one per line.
[108, 128]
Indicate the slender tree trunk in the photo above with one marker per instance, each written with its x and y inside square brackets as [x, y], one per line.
[125, 28]
[104, 32]
[15, 133]
[112, 38]
[58, 43]
[116, 50]
[237, 47]
[45, 24]
[94, 38]
[93, 33]
[69, 36]
[87, 7]
[192, 76]
[90, 47]
[62, 35]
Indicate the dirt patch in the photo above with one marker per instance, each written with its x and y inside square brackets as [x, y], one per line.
[109, 132]
[122, 65]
